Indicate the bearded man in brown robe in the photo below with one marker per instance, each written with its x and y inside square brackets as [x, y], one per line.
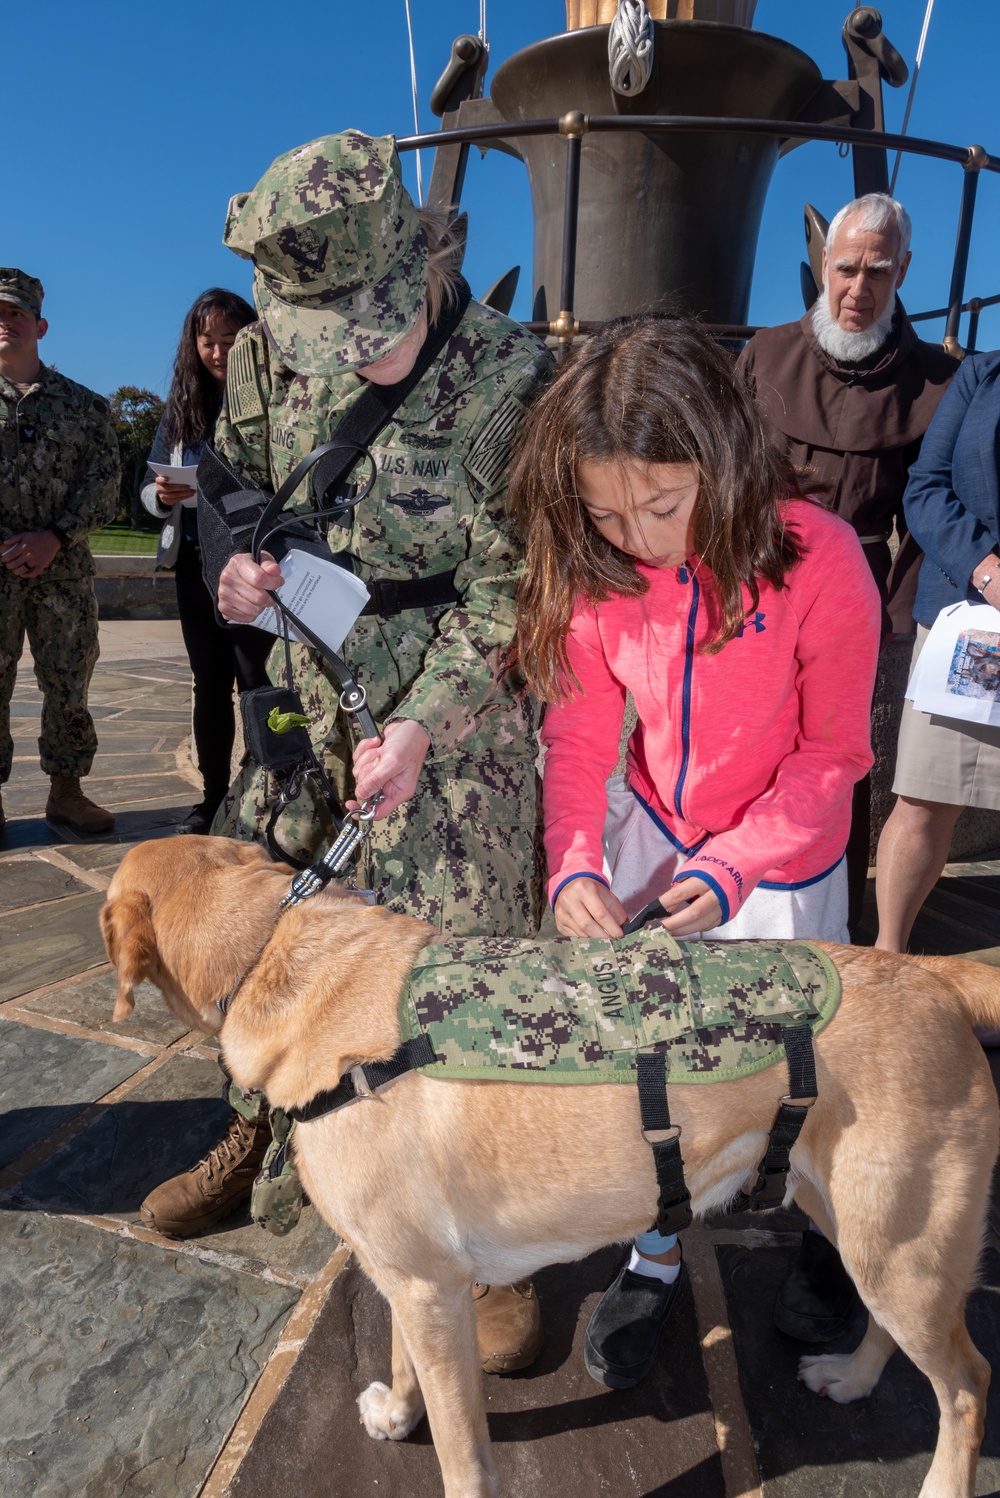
[849, 390]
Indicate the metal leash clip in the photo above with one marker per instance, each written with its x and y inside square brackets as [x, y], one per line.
[357, 826]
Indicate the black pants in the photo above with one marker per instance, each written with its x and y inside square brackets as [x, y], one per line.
[220, 656]
[857, 852]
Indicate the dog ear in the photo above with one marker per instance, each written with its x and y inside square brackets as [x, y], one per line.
[127, 928]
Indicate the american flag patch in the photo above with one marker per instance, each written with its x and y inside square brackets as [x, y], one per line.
[488, 460]
[244, 397]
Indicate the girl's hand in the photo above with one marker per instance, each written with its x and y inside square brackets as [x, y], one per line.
[170, 494]
[703, 912]
[586, 907]
[243, 586]
[391, 765]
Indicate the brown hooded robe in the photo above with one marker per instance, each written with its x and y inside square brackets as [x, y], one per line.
[858, 430]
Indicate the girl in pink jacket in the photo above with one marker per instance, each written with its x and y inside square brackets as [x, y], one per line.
[670, 554]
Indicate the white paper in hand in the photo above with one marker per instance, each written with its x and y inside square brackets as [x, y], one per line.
[176, 474]
[324, 596]
[957, 674]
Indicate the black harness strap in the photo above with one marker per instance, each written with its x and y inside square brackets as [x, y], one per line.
[772, 1173]
[411, 1055]
[673, 1210]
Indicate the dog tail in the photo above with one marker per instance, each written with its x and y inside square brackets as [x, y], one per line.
[977, 984]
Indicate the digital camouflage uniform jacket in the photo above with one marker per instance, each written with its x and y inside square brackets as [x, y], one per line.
[438, 505]
[59, 465]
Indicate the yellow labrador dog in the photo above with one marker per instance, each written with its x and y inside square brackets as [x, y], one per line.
[437, 1183]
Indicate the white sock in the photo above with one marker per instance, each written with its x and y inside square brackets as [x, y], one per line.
[639, 1264]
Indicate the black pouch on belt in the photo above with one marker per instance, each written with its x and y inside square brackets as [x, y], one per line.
[280, 748]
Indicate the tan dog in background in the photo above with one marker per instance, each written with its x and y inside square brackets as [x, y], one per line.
[435, 1184]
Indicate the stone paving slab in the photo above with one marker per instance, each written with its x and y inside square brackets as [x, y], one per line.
[164, 1125]
[49, 942]
[117, 766]
[139, 789]
[808, 1447]
[164, 714]
[123, 1365]
[103, 856]
[47, 1078]
[29, 881]
[23, 833]
[554, 1430]
[90, 1001]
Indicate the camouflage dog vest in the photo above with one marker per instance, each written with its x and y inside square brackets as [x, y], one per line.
[583, 1010]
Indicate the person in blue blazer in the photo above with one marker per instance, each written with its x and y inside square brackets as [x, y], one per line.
[952, 505]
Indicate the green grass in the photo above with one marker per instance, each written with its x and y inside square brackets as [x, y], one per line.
[121, 541]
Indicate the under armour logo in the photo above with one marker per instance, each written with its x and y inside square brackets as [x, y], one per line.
[755, 622]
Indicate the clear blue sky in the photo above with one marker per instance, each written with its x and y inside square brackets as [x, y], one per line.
[128, 127]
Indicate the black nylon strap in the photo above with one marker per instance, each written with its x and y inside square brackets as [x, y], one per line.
[654, 911]
[772, 1173]
[801, 1061]
[391, 596]
[673, 1212]
[411, 1054]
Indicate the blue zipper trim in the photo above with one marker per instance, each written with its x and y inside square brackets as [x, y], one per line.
[802, 883]
[666, 830]
[714, 885]
[569, 880]
[686, 694]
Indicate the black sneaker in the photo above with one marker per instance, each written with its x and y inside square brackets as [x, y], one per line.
[620, 1346]
[816, 1303]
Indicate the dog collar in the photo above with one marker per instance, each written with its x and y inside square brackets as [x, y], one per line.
[411, 1054]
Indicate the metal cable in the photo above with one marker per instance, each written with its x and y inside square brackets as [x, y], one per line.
[630, 48]
[913, 89]
[416, 110]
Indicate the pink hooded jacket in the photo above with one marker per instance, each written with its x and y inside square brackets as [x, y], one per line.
[746, 759]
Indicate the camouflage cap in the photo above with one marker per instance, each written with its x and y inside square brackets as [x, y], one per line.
[338, 249]
[23, 290]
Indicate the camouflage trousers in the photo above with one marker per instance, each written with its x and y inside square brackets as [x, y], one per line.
[59, 617]
[464, 853]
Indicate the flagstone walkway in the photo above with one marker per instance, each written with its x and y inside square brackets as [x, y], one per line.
[135, 1365]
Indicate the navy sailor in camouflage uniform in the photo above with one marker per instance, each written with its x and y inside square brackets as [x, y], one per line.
[348, 276]
[59, 472]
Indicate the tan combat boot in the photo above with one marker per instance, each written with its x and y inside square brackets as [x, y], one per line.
[67, 804]
[202, 1196]
[508, 1326]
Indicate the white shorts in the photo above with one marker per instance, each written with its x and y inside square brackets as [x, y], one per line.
[640, 863]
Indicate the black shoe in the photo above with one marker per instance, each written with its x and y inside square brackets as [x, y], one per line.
[199, 818]
[620, 1346]
[816, 1303]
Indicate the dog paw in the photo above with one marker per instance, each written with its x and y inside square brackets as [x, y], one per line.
[383, 1420]
[835, 1376]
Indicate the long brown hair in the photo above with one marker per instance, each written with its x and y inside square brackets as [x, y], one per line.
[195, 398]
[645, 389]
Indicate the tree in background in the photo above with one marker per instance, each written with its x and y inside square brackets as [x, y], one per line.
[136, 414]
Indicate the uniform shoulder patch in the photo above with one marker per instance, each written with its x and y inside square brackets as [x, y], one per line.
[487, 461]
[244, 388]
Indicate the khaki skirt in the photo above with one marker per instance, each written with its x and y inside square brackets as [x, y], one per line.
[945, 759]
